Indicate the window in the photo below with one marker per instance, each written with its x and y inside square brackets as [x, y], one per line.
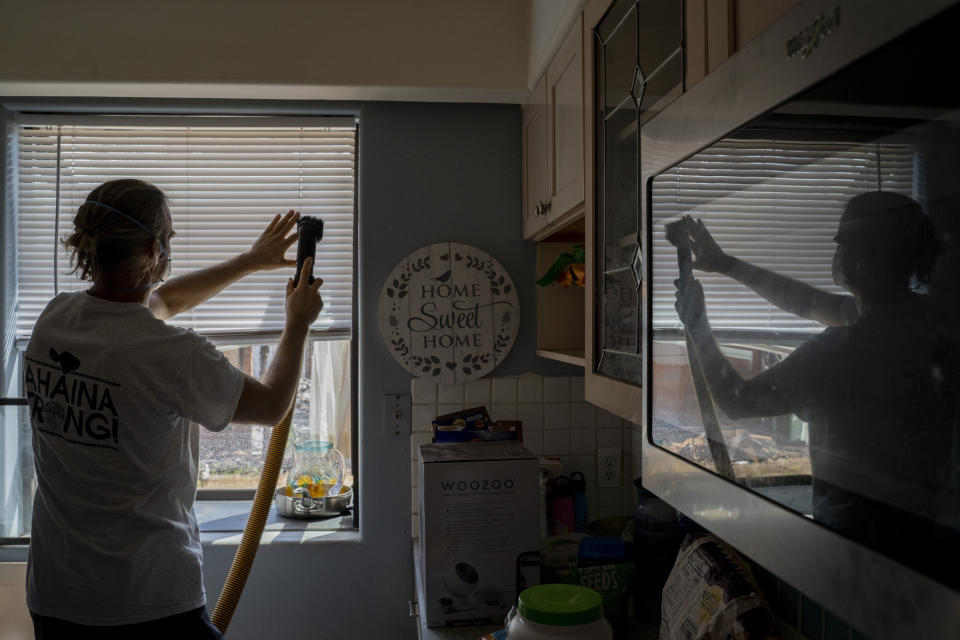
[225, 178]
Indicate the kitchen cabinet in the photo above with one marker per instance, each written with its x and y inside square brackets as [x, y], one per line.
[716, 29]
[633, 69]
[553, 143]
[535, 169]
[622, 62]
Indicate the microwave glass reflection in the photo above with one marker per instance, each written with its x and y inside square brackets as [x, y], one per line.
[804, 318]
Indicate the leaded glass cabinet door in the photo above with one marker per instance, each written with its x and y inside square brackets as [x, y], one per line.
[638, 69]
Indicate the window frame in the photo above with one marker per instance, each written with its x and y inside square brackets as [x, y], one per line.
[284, 115]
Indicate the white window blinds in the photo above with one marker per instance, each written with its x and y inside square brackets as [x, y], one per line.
[774, 204]
[225, 178]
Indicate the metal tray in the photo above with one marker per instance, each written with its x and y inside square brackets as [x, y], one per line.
[307, 507]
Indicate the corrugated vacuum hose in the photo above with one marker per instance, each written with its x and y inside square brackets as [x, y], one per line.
[309, 233]
[250, 542]
[677, 235]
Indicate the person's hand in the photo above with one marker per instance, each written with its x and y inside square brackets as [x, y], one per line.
[707, 254]
[269, 249]
[303, 301]
[690, 305]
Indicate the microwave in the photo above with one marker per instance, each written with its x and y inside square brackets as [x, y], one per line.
[804, 408]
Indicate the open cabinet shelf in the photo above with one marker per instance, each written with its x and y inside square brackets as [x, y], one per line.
[576, 357]
[560, 310]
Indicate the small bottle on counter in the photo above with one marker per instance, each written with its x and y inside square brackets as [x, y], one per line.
[578, 485]
[563, 515]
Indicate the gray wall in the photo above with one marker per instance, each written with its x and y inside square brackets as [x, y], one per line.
[428, 173]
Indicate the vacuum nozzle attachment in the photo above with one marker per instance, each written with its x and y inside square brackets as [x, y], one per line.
[309, 232]
[678, 234]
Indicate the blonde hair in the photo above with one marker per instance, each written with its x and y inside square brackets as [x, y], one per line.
[103, 240]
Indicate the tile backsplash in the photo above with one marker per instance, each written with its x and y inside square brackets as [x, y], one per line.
[557, 423]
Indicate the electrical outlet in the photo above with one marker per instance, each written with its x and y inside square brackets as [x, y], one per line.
[608, 467]
[396, 416]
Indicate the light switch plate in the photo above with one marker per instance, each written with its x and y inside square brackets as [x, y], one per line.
[609, 467]
[396, 416]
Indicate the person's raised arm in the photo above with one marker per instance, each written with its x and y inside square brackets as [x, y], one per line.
[736, 397]
[267, 401]
[185, 292]
[786, 293]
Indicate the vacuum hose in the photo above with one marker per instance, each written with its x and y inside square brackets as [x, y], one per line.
[708, 410]
[250, 542]
[310, 230]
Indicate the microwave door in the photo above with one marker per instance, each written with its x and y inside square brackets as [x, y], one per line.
[818, 168]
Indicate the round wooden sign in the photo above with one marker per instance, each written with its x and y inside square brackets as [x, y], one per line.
[449, 312]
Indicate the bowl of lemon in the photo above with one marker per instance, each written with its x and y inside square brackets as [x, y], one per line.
[312, 499]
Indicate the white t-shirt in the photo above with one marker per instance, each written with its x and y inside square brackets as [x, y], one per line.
[112, 391]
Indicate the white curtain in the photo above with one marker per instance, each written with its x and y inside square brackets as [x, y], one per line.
[330, 411]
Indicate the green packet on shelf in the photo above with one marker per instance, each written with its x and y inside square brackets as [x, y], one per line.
[612, 582]
[563, 261]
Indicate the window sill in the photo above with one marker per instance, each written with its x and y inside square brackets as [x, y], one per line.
[222, 522]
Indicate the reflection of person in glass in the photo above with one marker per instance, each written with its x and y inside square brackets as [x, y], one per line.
[880, 390]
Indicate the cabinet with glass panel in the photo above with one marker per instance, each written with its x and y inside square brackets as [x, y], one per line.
[634, 66]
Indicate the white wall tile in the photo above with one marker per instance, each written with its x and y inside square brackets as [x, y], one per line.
[610, 497]
[530, 388]
[415, 526]
[415, 500]
[444, 409]
[557, 423]
[504, 412]
[583, 415]
[576, 389]
[421, 418]
[585, 464]
[608, 512]
[556, 390]
[450, 394]
[607, 420]
[556, 416]
[556, 442]
[531, 415]
[477, 392]
[608, 439]
[505, 390]
[583, 441]
[423, 391]
[416, 440]
[533, 440]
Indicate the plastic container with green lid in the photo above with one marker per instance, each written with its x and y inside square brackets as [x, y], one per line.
[566, 611]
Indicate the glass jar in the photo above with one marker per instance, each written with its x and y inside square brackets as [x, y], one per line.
[317, 470]
[565, 611]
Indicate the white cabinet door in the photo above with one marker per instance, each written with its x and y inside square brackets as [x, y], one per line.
[536, 169]
[565, 106]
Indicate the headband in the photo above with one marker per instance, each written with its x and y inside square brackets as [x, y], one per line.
[133, 220]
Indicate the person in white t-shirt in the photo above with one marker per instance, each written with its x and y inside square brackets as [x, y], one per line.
[112, 391]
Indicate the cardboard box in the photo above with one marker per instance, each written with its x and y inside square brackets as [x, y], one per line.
[478, 513]
[498, 431]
